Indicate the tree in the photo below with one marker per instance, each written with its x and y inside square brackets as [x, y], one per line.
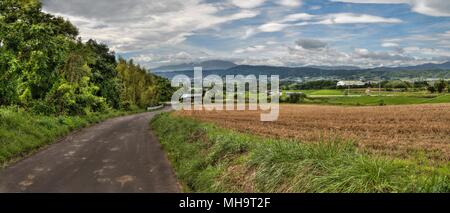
[296, 98]
[139, 87]
[35, 44]
[431, 89]
[104, 72]
[46, 68]
[440, 86]
[74, 93]
[397, 84]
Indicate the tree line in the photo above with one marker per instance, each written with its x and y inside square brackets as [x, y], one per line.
[439, 86]
[46, 68]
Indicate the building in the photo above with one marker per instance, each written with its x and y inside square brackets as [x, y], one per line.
[350, 83]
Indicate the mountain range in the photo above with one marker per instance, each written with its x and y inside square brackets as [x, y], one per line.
[223, 68]
[206, 65]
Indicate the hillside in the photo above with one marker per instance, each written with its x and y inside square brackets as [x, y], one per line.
[207, 65]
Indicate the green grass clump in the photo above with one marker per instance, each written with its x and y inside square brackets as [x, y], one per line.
[211, 159]
[22, 132]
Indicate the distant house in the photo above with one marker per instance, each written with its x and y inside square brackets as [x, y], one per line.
[350, 83]
[270, 93]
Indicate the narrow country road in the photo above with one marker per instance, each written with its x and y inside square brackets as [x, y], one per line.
[118, 155]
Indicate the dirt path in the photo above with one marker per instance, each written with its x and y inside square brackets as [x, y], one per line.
[118, 155]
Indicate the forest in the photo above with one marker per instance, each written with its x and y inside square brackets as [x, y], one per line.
[46, 68]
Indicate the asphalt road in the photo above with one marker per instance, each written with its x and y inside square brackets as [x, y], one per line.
[118, 155]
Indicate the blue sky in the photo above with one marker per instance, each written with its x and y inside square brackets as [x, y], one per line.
[362, 33]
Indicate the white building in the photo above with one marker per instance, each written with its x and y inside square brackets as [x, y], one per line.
[350, 83]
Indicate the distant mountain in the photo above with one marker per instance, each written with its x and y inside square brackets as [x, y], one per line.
[292, 73]
[336, 67]
[206, 65]
[422, 67]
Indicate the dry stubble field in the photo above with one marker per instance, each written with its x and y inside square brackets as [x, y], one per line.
[400, 131]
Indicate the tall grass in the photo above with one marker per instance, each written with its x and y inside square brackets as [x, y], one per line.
[211, 159]
[22, 132]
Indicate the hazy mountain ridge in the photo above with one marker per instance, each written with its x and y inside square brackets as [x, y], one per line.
[340, 72]
[206, 65]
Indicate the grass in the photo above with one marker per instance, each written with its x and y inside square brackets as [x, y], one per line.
[379, 100]
[323, 92]
[358, 97]
[22, 133]
[211, 159]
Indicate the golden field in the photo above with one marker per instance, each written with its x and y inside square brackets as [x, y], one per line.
[401, 131]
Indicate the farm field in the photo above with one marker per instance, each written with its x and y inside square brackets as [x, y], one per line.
[358, 97]
[209, 158]
[401, 131]
[321, 92]
[378, 100]
[360, 91]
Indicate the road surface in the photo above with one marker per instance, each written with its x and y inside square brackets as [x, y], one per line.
[118, 155]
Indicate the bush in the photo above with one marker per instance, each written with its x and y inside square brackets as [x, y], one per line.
[42, 108]
[296, 98]
[440, 86]
[431, 89]
[397, 84]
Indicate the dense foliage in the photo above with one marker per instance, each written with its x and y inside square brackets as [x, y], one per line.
[321, 84]
[46, 68]
[140, 88]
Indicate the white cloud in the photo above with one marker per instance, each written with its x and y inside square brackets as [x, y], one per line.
[389, 44]
[431, 52]
[154, 32]
[426, 7]
[251, 49]
[351, 18]
[361, 57]
[248, 33]
[142, 24]
[302, 19]
[151, 59]
[272, 27]
[247, 4]
[298, 17]
[317, 52]
[290, 3]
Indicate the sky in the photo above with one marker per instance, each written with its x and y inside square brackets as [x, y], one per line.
[364, 33]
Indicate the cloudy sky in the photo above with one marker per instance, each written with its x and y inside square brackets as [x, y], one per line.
[364, 33]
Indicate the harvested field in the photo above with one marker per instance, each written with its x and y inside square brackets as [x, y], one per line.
[401, 131]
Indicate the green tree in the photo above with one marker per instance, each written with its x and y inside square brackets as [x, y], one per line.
[296, 98]
[440, 86]
[139, 87]
[104, 72]
[34, 43]
[431, 89]
[45, 67]
[74, 93]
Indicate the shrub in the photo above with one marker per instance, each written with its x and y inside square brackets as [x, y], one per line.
[431, 89]
[296, 98]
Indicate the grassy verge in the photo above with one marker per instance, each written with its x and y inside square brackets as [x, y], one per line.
[21, 132]
[211, 159]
